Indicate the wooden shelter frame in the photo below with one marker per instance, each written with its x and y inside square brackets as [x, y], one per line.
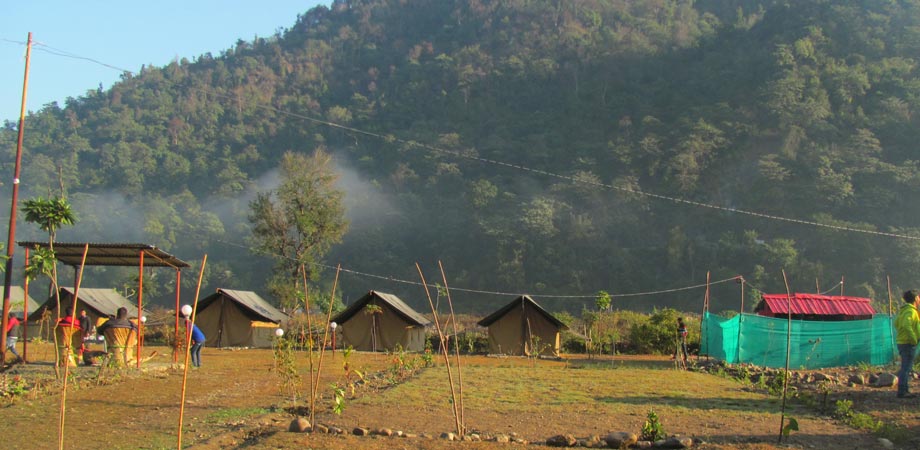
[112, 254]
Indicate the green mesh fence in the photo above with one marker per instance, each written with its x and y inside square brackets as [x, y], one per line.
[760, 340]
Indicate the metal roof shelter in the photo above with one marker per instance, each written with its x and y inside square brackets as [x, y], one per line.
[815, 307]
[114, 254]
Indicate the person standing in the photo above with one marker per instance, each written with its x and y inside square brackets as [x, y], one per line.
[682, 340]
[197, 341]
[87, 327]
[907, 326]
[12, 334]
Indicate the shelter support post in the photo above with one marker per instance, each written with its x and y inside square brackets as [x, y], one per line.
[25, 311]
[176, 340]
[140, 299]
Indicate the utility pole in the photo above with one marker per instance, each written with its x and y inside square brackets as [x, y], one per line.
[11, 241]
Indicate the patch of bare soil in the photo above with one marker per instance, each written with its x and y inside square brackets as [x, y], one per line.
[234, 401]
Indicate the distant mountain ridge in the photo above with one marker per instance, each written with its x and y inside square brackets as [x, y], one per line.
[804, 110]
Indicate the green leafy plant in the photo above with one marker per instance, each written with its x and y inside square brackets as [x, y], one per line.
[284, 367]
[791, 425]
[652, 430]
[338, 399]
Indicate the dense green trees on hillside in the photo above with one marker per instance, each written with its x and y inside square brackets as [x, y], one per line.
[803, 110]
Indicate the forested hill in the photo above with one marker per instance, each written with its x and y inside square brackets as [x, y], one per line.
[513, 140]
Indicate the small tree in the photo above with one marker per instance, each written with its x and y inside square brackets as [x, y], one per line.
[49, 215]
[297, 223]
[603, 301]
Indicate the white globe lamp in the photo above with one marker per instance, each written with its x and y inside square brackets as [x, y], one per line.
[186, 310]
[279, 332]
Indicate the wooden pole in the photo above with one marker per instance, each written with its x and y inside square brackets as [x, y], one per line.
[841, 286]
[322, 350]
[188, 341]
[894, 346]
[782, 419]
[25, 312]
[67, 348]
[11, 236]
[176, 340]
[450, 376]
[740, 318]
[817, 286]
[309, 338]
[456, 348]
[703, 316]
[140, 300]
[890, 307]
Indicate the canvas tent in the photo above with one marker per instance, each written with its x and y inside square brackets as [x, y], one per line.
[16, 302]
[230, 318]
[388, 323]
[98, 303]
[522, 327]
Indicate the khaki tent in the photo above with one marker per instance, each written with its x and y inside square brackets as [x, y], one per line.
[388, 323]
[16, 302]
[231, 318]
[98, 303]
[522, 327]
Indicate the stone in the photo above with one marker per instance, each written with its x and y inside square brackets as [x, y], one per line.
[383, 432]
[409, 435]
[886, 380]
[621, 439]
[885, 443]
[517, 440]
[593, 441]
[299, 425]
[857, 378]
[475, 437]
[336, 430]
[320, 428]
[819, 377]
[358, 431]
[448, 436]
[643, 444]
[502, 438]
[675, 442]
[398, 433]
[562, 440]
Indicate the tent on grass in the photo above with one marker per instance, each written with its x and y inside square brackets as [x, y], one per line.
[16, 301]
[98, 303]
[380, 321]
[522, 327]
[230, 318]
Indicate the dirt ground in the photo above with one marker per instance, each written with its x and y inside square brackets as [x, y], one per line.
[234, 401]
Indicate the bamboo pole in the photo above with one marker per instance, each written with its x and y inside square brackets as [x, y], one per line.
[450, 302]
[322, 350]
[894, 346]
[188, 341]
[67, 347]
[450, 376]
[306, 306]
[782, 417]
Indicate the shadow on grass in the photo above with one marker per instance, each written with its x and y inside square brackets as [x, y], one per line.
[763, 405]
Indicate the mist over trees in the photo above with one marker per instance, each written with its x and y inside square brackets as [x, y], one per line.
[804, 110]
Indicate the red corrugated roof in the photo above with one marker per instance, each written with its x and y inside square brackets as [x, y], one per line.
[814, 304]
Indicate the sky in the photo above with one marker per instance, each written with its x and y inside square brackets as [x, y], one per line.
[125, 35]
